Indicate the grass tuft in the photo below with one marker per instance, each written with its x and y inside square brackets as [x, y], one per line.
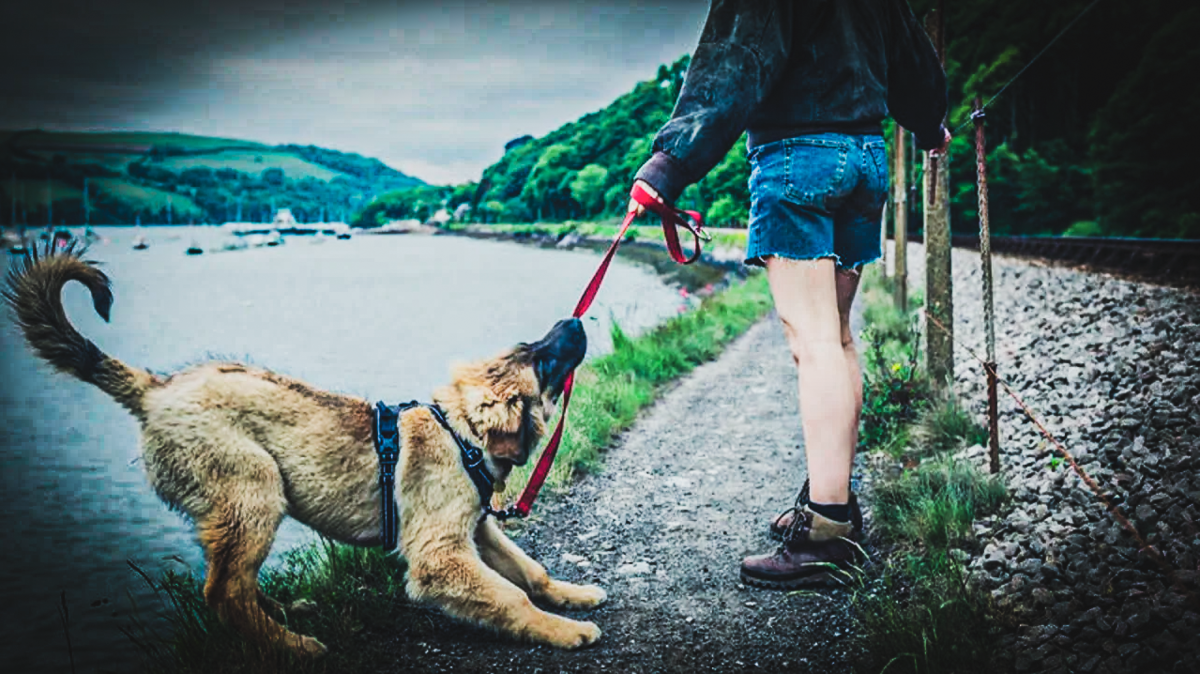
[934, 503]
[916, 613]
[922, 618]
[947, 426]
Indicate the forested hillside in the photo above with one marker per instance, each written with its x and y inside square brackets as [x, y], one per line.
[1089, 140]
[153, 177]
[581, 170]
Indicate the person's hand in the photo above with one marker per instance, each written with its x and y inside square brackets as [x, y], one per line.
[941, 150]
[634, 206]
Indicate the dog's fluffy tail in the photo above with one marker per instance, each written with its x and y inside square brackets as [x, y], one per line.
[34, 291]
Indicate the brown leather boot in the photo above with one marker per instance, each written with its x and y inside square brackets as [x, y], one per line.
[816, 550]
[783, 520]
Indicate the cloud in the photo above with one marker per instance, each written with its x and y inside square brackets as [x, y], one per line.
[436, 86]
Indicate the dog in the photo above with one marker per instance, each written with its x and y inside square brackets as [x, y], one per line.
[237, 447]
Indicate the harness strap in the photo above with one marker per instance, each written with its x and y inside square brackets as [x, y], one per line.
[672, 218]
[387, 446]
[472, 460]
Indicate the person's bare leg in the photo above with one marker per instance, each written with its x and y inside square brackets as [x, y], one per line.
[806, 299]
[847, 287]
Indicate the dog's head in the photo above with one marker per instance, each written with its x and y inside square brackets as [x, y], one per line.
[507, 401]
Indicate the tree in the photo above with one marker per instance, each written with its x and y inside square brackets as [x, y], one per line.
[588, 188]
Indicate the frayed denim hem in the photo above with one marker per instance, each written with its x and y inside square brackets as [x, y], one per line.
[760, 260]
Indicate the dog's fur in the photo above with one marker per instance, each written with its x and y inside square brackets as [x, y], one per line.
[237, 447]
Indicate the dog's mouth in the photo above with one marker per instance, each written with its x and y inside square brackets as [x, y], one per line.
[557, 354]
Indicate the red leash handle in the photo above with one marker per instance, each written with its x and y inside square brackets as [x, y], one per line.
[671, 219]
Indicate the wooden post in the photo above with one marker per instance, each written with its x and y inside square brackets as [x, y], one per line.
[900, 219]
[883, 256]
[989, 314]
[939, 300]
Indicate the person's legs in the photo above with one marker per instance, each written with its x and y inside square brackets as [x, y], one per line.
[807, 300]
[847, 287]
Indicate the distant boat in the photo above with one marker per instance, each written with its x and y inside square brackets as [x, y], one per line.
[274, 238]
[16, 241]
[343, 235]
[139, 240]
[195, 248]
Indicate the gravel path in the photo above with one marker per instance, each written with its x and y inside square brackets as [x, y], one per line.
[682, 498]
[1111, 368]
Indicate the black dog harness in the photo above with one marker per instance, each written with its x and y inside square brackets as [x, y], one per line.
[387, 445]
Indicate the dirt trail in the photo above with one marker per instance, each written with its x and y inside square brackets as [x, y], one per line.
[683, 496]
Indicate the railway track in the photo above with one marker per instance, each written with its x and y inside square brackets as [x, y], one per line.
[1167, 261]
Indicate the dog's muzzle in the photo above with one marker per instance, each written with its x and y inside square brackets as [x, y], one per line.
[557, 354]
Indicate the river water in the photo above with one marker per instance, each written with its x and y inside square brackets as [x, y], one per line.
[382, 317]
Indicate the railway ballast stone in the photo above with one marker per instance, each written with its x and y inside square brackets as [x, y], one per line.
[1112, 368]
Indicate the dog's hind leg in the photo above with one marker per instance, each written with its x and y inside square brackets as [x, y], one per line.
[462, 585]
[245, 504]
[510, 561]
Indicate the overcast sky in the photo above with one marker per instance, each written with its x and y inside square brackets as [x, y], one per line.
[432, 88]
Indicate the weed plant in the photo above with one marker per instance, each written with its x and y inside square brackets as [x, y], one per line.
[915, 613]
[934, 503]
[946, 426]
[895, 390]
[346, 588]
[920, 617]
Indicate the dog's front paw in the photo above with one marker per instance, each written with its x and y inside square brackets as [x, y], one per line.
[569, 595]
[573, 634]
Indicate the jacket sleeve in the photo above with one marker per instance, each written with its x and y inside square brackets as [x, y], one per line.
[742, 51]
[917, 97]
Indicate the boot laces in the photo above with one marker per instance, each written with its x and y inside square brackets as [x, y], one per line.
[797, 513]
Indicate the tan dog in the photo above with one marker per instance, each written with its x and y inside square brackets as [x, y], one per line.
[237, 448]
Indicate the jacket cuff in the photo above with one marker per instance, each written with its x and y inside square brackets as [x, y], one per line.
[665, 175]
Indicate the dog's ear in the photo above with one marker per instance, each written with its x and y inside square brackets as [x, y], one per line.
[516, 447]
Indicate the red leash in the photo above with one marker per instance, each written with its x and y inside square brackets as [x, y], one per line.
[671, 219]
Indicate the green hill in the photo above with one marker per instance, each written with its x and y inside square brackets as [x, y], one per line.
[582, 169]
[156, 176]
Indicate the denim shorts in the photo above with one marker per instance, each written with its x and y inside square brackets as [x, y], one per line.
[818, 196]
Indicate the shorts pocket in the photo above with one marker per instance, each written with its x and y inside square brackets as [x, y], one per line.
[815, 170]
[876, 171]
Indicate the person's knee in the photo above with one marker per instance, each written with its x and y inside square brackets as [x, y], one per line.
[809, 351]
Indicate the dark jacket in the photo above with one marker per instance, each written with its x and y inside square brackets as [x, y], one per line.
[783, 68]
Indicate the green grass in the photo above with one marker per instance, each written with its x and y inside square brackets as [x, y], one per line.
[608, 229]
[1084, 228]
[915, 612]
[920, 617]
[946, 425]
[612, 389]
[251, 162]
[177, 140]
[149, 198]
[358, 592]
[37, 192]
[354, 592]
[895, 389]
[933, 504]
